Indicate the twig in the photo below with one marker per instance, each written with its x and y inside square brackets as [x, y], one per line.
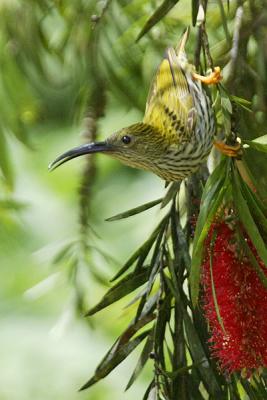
[95, 19]
[224, 22]
[97, 102]
[234, 53]
[206, 47]
[198, 48]
[202, 37]
[88, 177]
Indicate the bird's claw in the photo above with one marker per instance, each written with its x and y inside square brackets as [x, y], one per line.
[214, 77]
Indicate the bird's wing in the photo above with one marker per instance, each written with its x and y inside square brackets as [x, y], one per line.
[170, 105]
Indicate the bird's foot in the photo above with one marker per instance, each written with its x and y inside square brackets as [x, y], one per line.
[230, 151]
[214, 77]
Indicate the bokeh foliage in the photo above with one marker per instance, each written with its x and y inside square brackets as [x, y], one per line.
[51, 60]
[70, 61]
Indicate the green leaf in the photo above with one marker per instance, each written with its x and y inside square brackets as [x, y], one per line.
[226, 109]
[114, 358]
[214, 180]
[160, 12]
[180, 245]
[199, 356]
[261, 139]
[135, 326]
[144, 357]
[224, 22]
[134, 211]
[226, 103]
[155, 261]
[251, 391]
[180, 371]
[198, 250]
[256, 207]
[127, 285]
[63, 252]
[171, 193]
[260, 386]
[246, 104]
[260, 143]
[153, 274]
[211, 189]
[253, 260]
[213, 195]
[146, 305]
[149, 390]
[173, 288]
[248, 221]
[216, 305]
[143, 250]
[164, 315]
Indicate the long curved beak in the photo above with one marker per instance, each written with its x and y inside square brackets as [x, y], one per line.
[97, 147]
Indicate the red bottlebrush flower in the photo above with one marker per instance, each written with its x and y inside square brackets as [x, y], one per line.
[238, 322]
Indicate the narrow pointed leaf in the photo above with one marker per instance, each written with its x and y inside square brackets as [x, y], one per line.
[163, 9]
[216, 305]
[180, 244]
[164, 315]
[149, 389]
[199, 356]
[134, 211]
[255, 205]
[195, 346]
[248, 222]
[152, 276]
[253, 260]
[261, 139]
[142, 251]
[121, 289]
[171, 193]
[243, 103]
[140, 295]
[260, 143]
[226, 103]
[135, 327]
[109, 363]
[180, 371]
[210, 203]
[63, 253]
[155, 261]
[198, 250]
[144, 357]
[224, 22]
[212, 187]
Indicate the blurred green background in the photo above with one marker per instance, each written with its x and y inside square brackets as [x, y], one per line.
[48, 350]
[64, 64]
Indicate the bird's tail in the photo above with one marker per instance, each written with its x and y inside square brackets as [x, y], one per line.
[180, 49]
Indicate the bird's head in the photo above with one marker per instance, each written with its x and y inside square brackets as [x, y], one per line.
[139, 146]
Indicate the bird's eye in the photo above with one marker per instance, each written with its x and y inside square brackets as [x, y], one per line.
[126, 139]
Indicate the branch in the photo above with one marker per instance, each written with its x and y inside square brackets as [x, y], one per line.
[234, 53]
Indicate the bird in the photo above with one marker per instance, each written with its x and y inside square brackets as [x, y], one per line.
[178, 128]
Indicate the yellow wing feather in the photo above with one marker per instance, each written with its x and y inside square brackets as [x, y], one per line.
[170, 105]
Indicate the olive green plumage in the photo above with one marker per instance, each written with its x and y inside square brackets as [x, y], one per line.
[177, 131]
